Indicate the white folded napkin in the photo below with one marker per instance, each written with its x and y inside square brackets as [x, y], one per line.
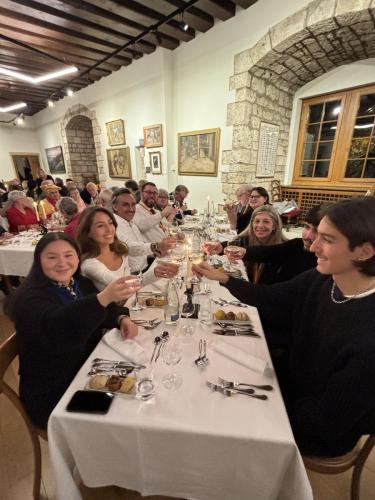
[240, 356]
[130, 350]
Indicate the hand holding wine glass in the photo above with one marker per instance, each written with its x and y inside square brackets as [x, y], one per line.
[234, 253]
[137, 276]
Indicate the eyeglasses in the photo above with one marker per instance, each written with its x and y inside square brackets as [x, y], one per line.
[165, 197]
[153, 193]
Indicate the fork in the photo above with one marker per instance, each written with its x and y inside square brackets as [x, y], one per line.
[230, 392]
[234, 385]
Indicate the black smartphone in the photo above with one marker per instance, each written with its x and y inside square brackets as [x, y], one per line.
[90, 402]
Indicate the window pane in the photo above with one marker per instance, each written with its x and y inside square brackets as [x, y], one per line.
[324, 150]
[309, 151]
[363, 127]
[369, 169]
[307, 169]
[321, 169]
[332, 110]
[315, 113]
[366, 105]
[371, 151]
[312, 133]
[328, 131]
[354, 168]
[358, 149]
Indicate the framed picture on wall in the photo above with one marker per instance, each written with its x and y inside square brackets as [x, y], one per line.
[153, 136]
[198, 152]
[55, 160]
[119, 162]
[116, 132]
[155, 162]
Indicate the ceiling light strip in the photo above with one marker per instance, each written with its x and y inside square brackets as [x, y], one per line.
[13, 107]
[38, 79]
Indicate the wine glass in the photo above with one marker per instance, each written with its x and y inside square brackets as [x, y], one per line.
[233, 253]
[138, 277]
[171, 356]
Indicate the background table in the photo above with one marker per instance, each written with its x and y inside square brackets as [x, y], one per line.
[17, 256]
[190, 443]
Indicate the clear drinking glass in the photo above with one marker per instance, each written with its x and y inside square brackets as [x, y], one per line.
[233, 253]
[138, 277]
[205, 310]
[172, 355]
[145, 386]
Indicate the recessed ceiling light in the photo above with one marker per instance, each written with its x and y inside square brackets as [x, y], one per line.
[38, 79]
[50, 103]
[13, 107]
[20, 120]
[69, 92]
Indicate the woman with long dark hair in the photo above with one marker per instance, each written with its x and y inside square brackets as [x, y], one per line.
[59, 318]
[104, 256]
[329, 314]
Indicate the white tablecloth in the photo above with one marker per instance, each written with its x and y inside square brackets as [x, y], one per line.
[191, 443]
[17, 256]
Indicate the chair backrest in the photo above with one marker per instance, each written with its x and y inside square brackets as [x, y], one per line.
[8, 352]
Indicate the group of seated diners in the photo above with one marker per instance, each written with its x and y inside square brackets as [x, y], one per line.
[315, 296]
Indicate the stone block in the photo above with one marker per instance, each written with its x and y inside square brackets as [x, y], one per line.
[238, 113]
[246, 94]
[243, 61]
[261, 48]
[240, 81]
[241, 155]
[272, 92]
[226, 157]
[319, 10]
[258, 85]
[325, 26]
[288, 27]
[344, 6]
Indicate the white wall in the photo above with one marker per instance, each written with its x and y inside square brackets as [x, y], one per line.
[343, 77]
[16, 140]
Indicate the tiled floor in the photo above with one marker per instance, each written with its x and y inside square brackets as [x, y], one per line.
[16, 465]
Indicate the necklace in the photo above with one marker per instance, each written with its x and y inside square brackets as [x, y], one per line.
[335, 301]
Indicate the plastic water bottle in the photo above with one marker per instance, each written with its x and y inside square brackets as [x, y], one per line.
[172, 307]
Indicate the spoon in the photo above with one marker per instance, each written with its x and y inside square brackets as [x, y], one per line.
[123, 372]
[164, 339]
[198, 361]
[157, 341]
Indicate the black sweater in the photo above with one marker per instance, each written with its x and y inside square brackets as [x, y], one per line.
[54, 340]
[330, 394]
[285, 260]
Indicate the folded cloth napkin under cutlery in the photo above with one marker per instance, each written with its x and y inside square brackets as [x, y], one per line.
[239, 356]
[130, 350]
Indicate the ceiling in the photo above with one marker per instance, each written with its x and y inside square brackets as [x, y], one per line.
[96, 36]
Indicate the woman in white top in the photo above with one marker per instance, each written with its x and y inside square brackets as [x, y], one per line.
[104, 256]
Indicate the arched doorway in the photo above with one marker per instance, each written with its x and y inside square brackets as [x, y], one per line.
[314, 40]
[82, 146]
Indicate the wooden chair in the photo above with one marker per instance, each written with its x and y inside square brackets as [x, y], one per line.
[8, 352]
[356, 458]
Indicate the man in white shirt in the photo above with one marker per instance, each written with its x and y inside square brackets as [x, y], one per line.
[152, 223]
[123, 204]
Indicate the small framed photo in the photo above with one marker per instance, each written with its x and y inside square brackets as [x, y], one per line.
[116, 132]
[119, 162]
[55, 160]
[153, 136]
[155, 163]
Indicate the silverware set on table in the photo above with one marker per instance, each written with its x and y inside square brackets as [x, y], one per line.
[147, 324]
[159, 343]
[202, 359]
[229, 388]
[235, 329]
[122, 368]
[224, 302]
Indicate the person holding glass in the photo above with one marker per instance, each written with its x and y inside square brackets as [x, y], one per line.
[104, 256]
[59, 318]
[328, 313]
[19, 213]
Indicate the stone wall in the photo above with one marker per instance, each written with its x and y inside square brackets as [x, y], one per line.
[81, 146]
[323, 35]
[86, 126]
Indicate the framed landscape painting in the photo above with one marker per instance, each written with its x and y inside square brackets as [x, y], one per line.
[198, 152]
[153, 136]
[119, 162]
[155, 163]
[116, 132]
[55, 160]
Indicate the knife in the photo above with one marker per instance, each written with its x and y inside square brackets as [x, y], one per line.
[236, 333]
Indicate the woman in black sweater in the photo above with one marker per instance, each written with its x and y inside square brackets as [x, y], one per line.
[59, 318]
[329, 312]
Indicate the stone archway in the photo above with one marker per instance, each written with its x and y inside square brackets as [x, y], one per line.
[324, 35]
[82, 146]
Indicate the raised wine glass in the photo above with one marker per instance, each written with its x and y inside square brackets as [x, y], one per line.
[138, 277]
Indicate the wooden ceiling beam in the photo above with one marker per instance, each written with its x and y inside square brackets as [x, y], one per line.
[222, 9]
[80, 26]
[196, 18]
[245, 4]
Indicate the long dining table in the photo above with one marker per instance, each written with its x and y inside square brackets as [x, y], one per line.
[192, 442]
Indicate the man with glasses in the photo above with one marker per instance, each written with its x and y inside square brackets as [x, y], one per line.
[152, 223]
[123, 204]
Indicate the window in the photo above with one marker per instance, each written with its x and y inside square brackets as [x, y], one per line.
[336, 140]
